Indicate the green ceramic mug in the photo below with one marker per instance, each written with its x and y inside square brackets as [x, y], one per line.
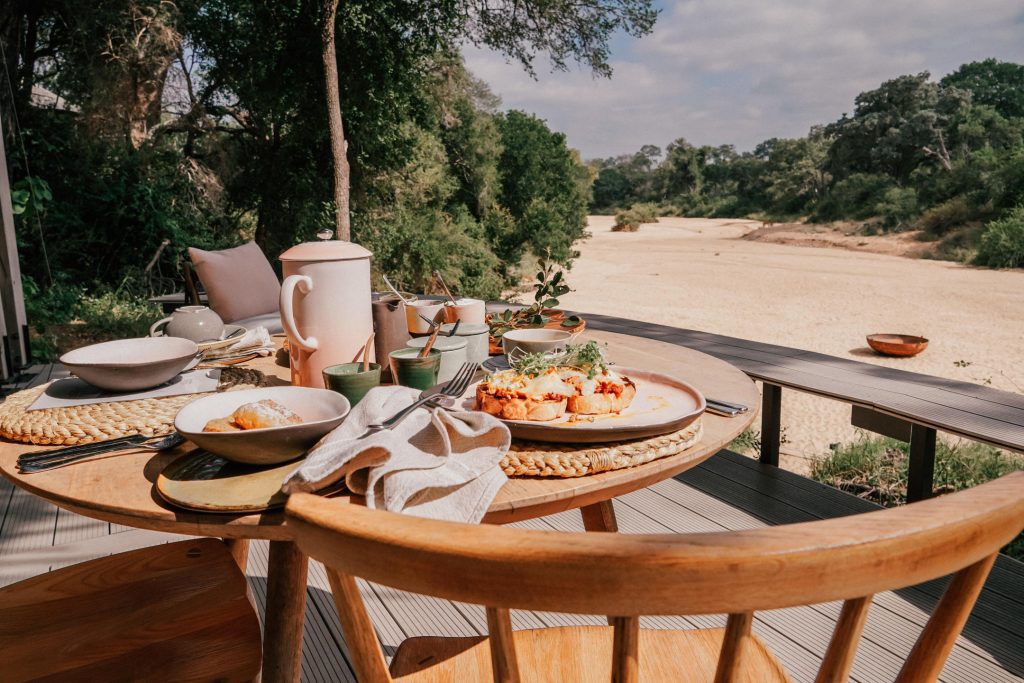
[349, 380]
[409, 370]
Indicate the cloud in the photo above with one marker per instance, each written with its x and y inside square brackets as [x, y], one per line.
[741, 71]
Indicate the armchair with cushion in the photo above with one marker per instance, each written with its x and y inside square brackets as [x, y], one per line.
[240, 283]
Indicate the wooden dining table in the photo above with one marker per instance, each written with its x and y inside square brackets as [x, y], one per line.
[119, 488]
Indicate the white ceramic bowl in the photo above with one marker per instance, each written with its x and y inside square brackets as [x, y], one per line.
[131, 364]
[321, 411]
[516, 343]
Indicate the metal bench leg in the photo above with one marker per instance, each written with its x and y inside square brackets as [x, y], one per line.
[921, 468]
[771, 423]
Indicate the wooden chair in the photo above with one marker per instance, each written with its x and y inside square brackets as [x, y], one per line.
[625, 576]
[175, 612]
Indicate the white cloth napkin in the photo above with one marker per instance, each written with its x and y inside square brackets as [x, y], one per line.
[257, 340]
[438, 464]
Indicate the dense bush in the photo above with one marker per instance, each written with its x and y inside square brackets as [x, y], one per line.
[855, 197]
[631, 219]
[1002, 242]
[897, 206]
[939, 220]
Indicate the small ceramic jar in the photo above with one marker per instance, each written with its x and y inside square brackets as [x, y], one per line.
[477, 342]
[453, 354]
[197, 323]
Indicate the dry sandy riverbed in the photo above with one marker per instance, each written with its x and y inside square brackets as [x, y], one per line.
[698, 274]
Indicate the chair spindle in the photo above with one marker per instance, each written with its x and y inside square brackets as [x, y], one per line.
[843, 647]
[626, 649]
[503, 648]
[933, 646]
[730, 661]
[364, 649]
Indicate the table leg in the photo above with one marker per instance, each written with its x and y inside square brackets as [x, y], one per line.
[599, 517]
[239, 549]
[285, 612]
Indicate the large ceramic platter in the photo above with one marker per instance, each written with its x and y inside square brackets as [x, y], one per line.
[663, 404]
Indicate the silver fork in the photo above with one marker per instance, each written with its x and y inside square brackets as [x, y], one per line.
[455, 387]
[56, 460]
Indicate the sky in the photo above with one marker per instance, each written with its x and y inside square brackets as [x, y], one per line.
[741, 71]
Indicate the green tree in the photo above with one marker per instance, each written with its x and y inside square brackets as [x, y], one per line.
[999, 85]
[540, 189]
[895, 127]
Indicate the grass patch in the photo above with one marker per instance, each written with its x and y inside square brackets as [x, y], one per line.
[875, 468]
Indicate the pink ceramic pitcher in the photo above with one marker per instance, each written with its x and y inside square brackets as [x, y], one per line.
[325, 306]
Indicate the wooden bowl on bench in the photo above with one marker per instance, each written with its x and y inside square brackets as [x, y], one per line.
[897, 344]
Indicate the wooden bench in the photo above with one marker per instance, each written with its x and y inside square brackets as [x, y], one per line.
[905, 405]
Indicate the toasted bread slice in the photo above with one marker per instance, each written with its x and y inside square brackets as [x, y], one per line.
[602, 403]
[517, 408]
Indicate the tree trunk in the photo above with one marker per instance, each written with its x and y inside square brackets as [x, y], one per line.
[342, 224]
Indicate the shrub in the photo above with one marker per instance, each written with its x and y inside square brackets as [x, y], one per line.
[876, 469]
[950, 214]
[1002, 243]
[631, 219]
[897, 206]
[854, 197]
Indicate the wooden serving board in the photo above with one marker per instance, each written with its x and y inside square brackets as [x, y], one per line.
[555, 323]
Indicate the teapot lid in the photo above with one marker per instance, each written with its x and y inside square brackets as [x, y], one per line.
[326, 249]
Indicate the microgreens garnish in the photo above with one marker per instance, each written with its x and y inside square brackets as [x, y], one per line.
[588, 358]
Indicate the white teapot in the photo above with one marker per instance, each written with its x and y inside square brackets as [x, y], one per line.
[325, 305]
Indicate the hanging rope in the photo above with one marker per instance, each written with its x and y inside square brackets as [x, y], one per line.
[20, 137]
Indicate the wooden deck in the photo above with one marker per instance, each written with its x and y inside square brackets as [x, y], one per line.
[729, 491]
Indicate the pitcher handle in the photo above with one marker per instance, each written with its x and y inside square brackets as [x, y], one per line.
[156, 326]
[305, 285]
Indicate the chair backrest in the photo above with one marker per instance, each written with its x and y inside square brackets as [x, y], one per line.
[173, 612]
[625, 576]
[239, 282]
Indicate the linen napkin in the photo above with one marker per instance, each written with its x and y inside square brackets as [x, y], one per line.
[438, 464]
[254, 341]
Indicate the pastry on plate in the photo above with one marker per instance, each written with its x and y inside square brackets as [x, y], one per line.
[259, 415]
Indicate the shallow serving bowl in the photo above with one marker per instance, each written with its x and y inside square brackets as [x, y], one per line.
[897, 344]
[321, 411]
[131, 364]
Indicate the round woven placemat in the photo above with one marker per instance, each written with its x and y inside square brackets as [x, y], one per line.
[101, 421]
[533, 459]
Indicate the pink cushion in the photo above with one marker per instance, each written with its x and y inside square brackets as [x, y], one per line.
[240, 282]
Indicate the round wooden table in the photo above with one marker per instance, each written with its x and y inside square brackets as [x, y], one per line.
[120, 489]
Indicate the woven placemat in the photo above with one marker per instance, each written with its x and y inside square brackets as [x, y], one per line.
[101, 421]
[533, 459]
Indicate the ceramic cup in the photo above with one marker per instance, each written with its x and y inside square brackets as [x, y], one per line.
[453, 354]
[478, 343]
[349, 380]
[517, 343]
[413, 311]
[197, 323]
[409, 370]
[469, 311]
